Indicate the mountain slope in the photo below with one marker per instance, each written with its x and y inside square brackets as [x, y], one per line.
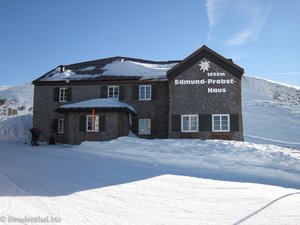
[271, 112]
[18, 97]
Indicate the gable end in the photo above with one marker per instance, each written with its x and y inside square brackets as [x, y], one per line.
[205, 52]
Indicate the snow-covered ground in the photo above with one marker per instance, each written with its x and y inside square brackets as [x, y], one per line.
[132, 181]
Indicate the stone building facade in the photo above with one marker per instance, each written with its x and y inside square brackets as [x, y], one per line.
[198, 97]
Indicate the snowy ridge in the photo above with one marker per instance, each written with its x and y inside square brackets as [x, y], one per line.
[3, 88]
[261, 92]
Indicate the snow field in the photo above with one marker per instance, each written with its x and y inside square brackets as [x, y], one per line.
[93, 184]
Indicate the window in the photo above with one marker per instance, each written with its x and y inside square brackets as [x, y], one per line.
[145, 92]
[92, 123]
[144, 126]
[62, 95]
[189, 123]
[220, 122]
[113, 92]
[60, 126]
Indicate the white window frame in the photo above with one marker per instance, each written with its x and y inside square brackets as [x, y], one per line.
[63, 95]
[114, 88]
[144, 131]
[144, 97]
[95, 125]
[61, 126]
[220, 123]
[189, 130]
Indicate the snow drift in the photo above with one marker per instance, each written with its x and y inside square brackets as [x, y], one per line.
[16, 128]
[242, 160]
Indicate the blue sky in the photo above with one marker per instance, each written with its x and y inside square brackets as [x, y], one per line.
[262, 36]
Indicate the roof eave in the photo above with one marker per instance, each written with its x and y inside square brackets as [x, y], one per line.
[97, 109]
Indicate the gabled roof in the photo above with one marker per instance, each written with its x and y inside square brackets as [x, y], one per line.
[211, 55]
[114, 68]
[125, 68]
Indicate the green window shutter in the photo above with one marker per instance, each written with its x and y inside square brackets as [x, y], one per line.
[153, 92]
[121, 92]
[69, 94]
[154, 131]
[103, 92]
[102, 123]
[176, 123]
[54, 125]
[135, 92]
[82, 123]
[234, 122]
[205, 122]
[135, 125]
[55, 94]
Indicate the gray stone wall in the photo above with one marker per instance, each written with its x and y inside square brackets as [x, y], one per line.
[45, 106]
[157, 109]
[198, 99]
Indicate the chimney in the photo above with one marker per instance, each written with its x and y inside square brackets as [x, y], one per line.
[62, 68]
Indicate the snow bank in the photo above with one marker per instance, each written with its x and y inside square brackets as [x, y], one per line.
[212, 156]
[16, 128]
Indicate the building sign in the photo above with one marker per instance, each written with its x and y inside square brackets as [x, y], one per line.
[216, 81]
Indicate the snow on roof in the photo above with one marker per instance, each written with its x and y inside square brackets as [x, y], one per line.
[99, 103]
[68, 74]
[115, 67]
[88, 68]
[131, 68]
